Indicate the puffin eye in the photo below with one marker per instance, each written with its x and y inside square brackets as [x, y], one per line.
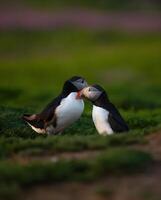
[89, 89]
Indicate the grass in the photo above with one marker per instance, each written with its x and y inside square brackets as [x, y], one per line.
[33, 67]
[16, 137]
[56, 144]
[116, 161]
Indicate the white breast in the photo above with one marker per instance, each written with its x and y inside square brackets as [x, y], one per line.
[68, 111]
[100, 119]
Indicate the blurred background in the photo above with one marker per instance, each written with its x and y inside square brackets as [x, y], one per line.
[115, 43]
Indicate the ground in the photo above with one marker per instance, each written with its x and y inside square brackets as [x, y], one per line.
[80, 164]
[144, 185]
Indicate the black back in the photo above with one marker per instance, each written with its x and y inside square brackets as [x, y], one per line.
[115, 119]
[49, 111]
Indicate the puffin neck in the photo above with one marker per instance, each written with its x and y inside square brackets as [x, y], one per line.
[68, 88]
[102, 100]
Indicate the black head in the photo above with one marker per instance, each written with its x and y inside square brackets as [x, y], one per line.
[74, 84]
[98, 87]
[94, 92]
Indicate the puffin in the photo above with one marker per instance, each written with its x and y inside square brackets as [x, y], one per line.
[106, 117]
[62, 111]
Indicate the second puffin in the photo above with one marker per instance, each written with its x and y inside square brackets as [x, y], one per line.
[106, 117]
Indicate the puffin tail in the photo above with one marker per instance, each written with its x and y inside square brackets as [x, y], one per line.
[34, 121]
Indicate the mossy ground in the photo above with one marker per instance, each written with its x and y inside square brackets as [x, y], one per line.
[33, 67]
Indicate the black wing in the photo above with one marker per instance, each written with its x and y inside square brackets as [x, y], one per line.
[33, 120]
[42, 119]
[49, 111]
[115, 119]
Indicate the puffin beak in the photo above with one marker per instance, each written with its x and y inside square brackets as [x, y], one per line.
[79, 94]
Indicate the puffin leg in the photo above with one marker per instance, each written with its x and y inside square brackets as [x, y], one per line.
[50, 130]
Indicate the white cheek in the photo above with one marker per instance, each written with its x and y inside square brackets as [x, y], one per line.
[88, 94]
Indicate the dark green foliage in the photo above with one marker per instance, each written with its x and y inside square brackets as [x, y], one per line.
[9, 191]
[143, 119]
[9, 146]
[123, 160]
[113, 161]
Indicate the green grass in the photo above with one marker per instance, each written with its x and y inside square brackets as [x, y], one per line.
[113, 162]
[33, 67]
[17, 137]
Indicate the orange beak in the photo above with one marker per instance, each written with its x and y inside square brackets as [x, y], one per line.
[79, 95]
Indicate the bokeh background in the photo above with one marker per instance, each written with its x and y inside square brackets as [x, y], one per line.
[115, 43]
